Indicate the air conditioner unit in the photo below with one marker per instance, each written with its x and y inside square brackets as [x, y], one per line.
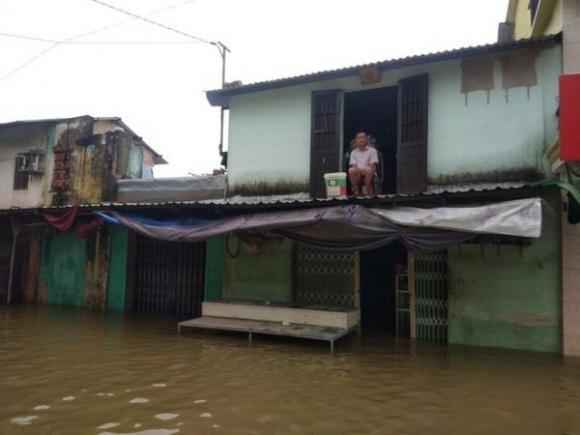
[30, 162]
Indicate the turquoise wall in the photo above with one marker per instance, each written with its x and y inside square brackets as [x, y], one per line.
[215, 258]
[265, 276]
[62, 270]
[511, 297]
[269, 131]
[117, 274]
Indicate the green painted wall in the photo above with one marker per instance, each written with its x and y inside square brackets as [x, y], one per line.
[260, 277]
[214, 268]
[463, 139]
[62, 269]
[117, 276]
[509, 298]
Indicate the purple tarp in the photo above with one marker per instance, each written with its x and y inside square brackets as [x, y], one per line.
[340, 228]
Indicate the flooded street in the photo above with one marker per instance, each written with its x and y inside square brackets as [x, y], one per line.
[66, 371]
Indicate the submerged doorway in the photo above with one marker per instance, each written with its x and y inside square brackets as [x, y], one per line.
[380, 269]
[404, 296]
[169, 277]
[375, 112]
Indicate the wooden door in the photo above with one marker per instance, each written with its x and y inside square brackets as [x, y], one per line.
[325, 139]
[412, 134]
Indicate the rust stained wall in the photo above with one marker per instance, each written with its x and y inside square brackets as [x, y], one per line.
[73, 271]
[88, 161]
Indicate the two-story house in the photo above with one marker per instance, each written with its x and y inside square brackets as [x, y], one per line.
[465, 127]
[53, 163]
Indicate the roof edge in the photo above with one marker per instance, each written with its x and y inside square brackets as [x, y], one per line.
[221, 97]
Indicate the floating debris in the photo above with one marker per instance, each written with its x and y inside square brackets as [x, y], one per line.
[166, 416]
[68, 398]
[197, 402]
[206, 415]
[139, 400]
[108, 425]
[41, 408]
[23, 420]
[160, 385]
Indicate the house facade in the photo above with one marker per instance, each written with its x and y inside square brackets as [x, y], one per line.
[473, 121]
[67, 163]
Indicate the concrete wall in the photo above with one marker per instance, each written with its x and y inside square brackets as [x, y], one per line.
[73, 271]
[269, 131]
[117, 274]
[249, 276]
[259, 275]
[15, 140]
[509, 297]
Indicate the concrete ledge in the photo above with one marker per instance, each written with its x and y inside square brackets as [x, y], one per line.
[345, 319]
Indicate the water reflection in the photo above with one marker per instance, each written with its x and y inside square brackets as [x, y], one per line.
[135, 373]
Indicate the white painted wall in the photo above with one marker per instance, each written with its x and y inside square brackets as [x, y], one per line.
[12, 142]
[269, 131]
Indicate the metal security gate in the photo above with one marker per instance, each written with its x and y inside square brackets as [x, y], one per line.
[169, 277]
[431, 297]
[324, 278]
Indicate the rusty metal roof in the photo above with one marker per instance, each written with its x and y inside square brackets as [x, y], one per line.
[465, 195]
[221, 97]
[158, 157]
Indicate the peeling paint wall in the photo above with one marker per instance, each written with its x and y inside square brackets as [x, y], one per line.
[89, 158]
[73, 271]
[509, 296]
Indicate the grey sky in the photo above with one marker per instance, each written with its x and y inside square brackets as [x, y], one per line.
[158, 88]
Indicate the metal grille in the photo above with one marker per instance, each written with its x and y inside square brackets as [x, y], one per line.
[325, 142]
[324, 278]
[431, 296]
[170, 277]
[412, 141]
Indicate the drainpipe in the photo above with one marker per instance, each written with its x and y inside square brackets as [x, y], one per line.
[15, 230]
[223, 52]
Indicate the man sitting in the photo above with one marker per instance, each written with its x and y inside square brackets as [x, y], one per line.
[363, 163]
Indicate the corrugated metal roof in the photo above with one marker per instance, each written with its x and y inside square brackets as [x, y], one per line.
[158, 157]
[219, 97]
[255, 203]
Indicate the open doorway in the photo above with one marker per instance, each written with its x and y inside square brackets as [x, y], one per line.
[375, 112]
[383, 274]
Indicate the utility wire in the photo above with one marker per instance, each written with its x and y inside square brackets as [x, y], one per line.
[53, 41]
[80, 35]
[156, 23]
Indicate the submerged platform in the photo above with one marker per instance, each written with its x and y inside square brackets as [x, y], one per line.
[311, 332]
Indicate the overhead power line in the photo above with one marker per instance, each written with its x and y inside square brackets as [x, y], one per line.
[155, 23]
[65, 42]
[56, 43]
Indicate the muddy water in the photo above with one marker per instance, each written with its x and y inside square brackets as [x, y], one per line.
[64, 371]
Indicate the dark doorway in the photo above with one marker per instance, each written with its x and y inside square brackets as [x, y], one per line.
[375, 112]
[379, 268]
[169, 277]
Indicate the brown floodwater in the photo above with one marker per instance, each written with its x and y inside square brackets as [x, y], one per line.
[67, 371]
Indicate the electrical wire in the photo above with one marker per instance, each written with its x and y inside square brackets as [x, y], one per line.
[54, 41]
[155, 23]
[80, 35]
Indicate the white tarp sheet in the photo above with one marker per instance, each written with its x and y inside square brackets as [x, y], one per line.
[521, 217]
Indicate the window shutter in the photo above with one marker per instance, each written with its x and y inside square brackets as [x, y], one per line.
[412, 134]
[325, 139]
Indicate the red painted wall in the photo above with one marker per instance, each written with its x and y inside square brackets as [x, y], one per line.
[570, 117]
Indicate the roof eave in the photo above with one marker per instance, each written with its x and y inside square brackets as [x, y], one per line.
[221, 97]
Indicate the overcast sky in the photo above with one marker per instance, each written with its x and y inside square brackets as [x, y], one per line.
[157, 88]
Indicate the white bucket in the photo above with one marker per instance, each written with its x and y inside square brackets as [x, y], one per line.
[335, 184]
